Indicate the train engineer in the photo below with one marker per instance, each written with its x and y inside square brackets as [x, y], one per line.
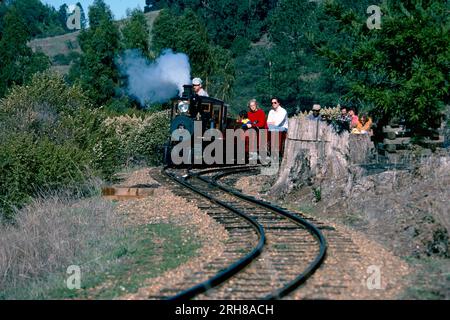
[198, 89]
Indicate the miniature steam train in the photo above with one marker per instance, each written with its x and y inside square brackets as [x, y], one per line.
[191, 111]
[228, 144]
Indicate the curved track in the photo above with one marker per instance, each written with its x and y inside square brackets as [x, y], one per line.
[270, 251]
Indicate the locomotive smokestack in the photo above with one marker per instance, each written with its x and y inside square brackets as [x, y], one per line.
[187, 92]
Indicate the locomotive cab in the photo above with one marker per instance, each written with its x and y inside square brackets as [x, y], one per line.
[192, 107]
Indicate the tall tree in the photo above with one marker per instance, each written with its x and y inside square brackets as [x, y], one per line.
[96, 71]
[18, 62]
[136, 33]
[63, 15]
[41, 20]
[403, 69]
[98, 12]
[185, 34]
[298, 74]
[227, 20]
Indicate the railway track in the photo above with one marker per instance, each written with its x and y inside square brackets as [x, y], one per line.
[270, 251]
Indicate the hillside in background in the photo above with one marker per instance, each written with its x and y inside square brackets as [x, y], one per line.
[64, 48]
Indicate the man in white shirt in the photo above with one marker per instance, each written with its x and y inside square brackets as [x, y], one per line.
[277, 120]
[197, 85]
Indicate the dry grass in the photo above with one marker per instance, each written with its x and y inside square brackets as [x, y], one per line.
[48, 236]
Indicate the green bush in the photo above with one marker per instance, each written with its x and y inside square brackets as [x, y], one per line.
[47, 137]
[29, 167]
[151, 136]
[139, 138]
[52, 139]
[61, 60]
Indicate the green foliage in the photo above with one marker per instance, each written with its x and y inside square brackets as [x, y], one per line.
[137, 139]
[65, 60]
[186, 34]
[96, 71]
[136, 33]
[296, 29]
[98, 12]
[18, 62]
[183, 34]
[83, 20]
[41, 20]
[149, 139]
[29, 166]
[227, 20]
[47, 135]
[45, 88]
[252, 79]
[401, 70]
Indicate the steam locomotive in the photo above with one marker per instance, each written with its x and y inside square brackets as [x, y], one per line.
[192, 111]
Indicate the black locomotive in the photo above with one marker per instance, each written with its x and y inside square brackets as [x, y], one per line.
[192, 111]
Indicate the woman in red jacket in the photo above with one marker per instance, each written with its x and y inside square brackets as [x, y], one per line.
[257, 121]
[256, 116]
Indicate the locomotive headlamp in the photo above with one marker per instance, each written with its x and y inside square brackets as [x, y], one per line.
[183, 106]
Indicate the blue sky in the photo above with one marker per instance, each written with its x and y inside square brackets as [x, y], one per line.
[118, 7]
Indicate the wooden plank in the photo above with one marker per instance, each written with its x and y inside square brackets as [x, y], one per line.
[391, 129]
[400, 141]
[437, 141]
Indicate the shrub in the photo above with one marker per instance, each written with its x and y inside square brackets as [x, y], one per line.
[61, 60]
[140, 138]
[51, 138]
[45, 88]
[47, 135]
[29, 166]
[151, 136]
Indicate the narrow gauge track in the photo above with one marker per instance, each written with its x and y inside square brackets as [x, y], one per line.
[270, 251]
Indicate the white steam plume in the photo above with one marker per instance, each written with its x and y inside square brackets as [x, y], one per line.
[157, 81]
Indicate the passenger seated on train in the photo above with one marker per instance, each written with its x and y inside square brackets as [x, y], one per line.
[257, 119]
[364, 125]
[315, 115]
[278, 121]
[256, 115]
[354, 118]
[243, 120]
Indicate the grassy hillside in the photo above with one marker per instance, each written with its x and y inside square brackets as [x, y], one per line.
[56, 48]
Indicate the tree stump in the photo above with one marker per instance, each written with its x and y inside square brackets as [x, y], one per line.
[315, 152]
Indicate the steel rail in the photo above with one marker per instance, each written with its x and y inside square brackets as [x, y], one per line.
[234, 268]
[313, 266]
